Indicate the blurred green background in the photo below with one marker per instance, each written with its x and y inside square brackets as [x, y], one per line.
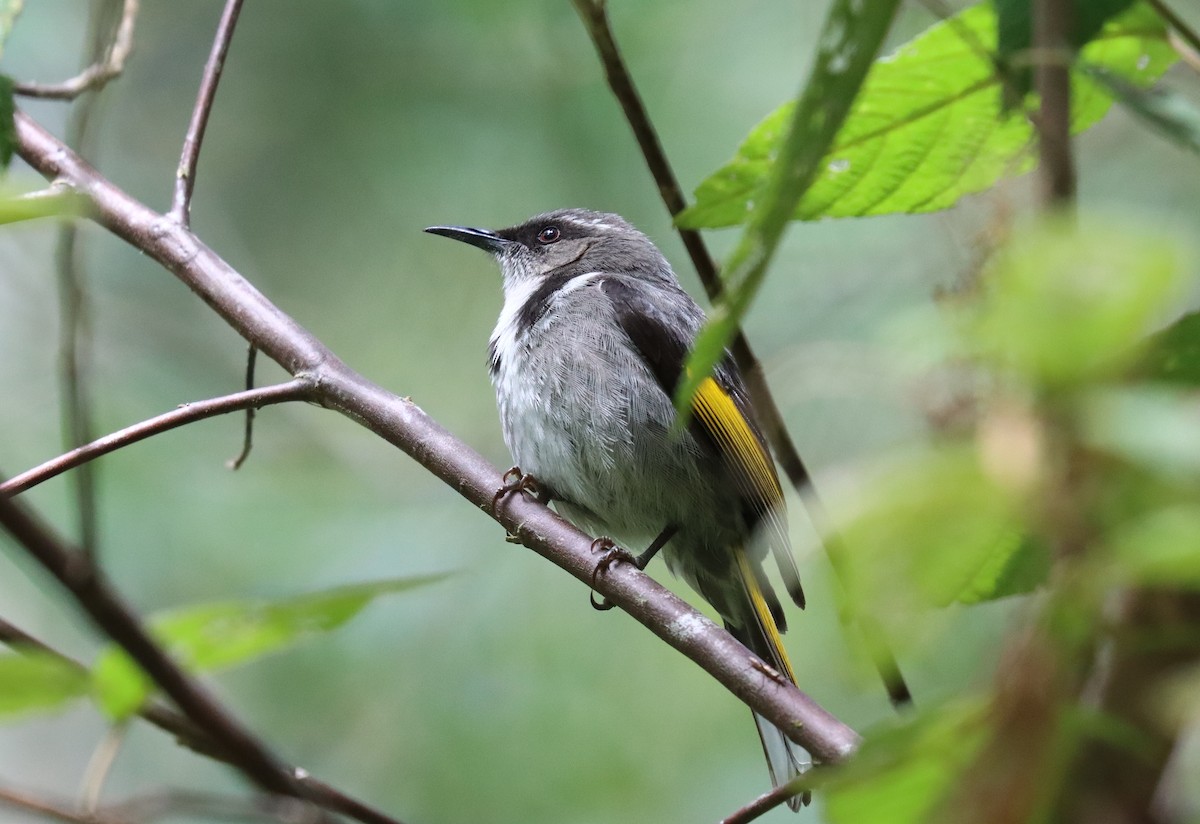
[339, 132]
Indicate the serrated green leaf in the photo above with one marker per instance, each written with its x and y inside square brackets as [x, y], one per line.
[211, 637]
[850, 38]
[37, 682]
[9, 9]
[8, 127]
[929, 126]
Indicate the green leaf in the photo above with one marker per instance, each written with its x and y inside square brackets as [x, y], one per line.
[216, 636]
[38, 682]
[1016, 32]
[8, 127]
[1173, 355]
[1163, 110]
[850, 39]
[16, 208]
[9, 9]
[1015, 565]
[902, 772]
[938, 529]
[1066, 306]
[928, 126]
[1161, 548]
[1155, 427]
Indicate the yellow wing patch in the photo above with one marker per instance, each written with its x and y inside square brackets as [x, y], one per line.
[716, 410]
[763, 613]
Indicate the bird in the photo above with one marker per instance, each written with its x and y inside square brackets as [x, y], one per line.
[592, 339]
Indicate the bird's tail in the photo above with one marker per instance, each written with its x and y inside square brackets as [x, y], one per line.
[754, 624]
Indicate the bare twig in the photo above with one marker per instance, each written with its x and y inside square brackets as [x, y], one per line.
[1052, 78]
[15, 637]
[168, 804]
[99, 73]
[75, 331]
[49, 809]
[248, 435]
[404, 424]
[190, 735]
[294, 390]
[108, 611]
[1177, 23]
[74, 374]
[595, 18]
[185, 176]
[100, 765]
[769, 800]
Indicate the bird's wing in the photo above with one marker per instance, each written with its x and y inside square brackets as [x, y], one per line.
[721, 412]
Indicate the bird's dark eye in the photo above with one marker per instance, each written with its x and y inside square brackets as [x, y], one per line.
[549, 234]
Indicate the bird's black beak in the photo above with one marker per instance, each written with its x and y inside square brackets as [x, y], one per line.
[485, 240]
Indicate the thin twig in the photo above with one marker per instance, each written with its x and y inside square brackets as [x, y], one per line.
[15, 637]
[1177, 23]
[108, 611]
[169, 804]
[294, 390]
[98, 74]
[1052, 78]
[595, 19]
[402, 423]
[100, 765]
[75, 329]
[248, 436]
[185, 176]
[49, 809]
[769, 800]
[191, 736]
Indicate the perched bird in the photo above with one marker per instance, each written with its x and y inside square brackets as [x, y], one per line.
[590, 344]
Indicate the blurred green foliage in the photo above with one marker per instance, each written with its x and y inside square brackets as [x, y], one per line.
[342, 129]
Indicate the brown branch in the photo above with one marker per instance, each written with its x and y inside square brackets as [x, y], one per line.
[1052, 20]
[248, 433]
[98, 74]
[294, 390]
[185, 176]
[108, 611]
[190, 735]
[770, 800]
[595, 18]
[160, 805]
[402, 423]
[1177, 23]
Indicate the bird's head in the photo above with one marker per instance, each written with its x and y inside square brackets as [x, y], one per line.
[580, 239]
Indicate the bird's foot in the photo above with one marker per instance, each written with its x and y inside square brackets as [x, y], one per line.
[516, 481]
[610, 554]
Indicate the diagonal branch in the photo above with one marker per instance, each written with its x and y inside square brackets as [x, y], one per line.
[185, 176]
[404, 424]
[595, 18]
[294, 390]
[98, 74]
[166, 719]
[106, 609]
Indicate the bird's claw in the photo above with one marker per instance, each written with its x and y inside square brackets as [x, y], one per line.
[515, 481]
[610, 554]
